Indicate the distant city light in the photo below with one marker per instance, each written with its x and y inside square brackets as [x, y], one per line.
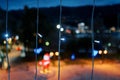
[16, 37]
[58, 26]
[63, 39]
[6, 35]
[62, 29]
[81, 24]
[77, 31]
[47, 43]
[109, 44]
[97, 41]
[113, 29]
[40, 35]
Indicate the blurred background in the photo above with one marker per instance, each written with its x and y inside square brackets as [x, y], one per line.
[76, 46]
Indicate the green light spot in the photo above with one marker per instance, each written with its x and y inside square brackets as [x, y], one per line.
[47, 43]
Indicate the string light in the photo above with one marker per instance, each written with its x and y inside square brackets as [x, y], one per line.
[7, 41]
[92, 41]
[60, 15]
[37, 24]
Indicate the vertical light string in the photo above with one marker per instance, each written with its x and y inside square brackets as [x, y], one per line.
[92, 40]
[59, 44]
[7, 41]
[37, 25]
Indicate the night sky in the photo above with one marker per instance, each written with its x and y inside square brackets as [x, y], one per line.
[19, 4]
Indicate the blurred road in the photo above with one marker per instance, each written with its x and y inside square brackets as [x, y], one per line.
[13, 55]
[25, 71]
[109, 70]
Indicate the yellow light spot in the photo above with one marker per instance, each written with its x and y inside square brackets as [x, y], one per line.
[51, 54]
[56, 53]
[100, 51]
[105, 51]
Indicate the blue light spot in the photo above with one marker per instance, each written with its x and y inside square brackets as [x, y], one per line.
[73, 56]
[37, 51]
[63, 39]
[95, 52]
[6, 35]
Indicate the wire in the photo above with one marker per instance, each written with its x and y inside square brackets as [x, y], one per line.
[92, 34]
[7, 41]
[37, 24]
[60, 15]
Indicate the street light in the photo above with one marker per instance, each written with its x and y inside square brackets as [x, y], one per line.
[57, 53]
[39, 35]
[58, 26]
[61, 29]
[51, 54]
[6, 35]
[102, 53]
[63, 39]
[105, 51]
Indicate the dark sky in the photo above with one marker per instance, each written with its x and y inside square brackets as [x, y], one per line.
[19, 4]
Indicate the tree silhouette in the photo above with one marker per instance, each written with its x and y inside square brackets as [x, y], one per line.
[28, 27]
